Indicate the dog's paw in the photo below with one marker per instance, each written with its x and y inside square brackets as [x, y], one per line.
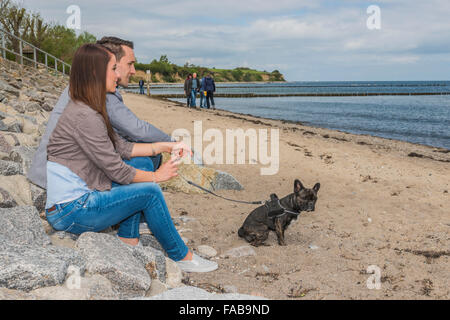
[282, 243]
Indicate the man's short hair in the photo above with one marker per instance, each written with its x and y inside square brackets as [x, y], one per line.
[115, 45]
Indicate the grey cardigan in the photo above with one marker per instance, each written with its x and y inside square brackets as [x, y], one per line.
[122, 119]
[80, 142]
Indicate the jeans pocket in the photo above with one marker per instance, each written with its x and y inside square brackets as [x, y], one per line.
[57, 210]
[65, 214]
[78, 228]
[57, 218]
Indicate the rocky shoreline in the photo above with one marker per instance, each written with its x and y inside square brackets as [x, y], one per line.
[37, 262]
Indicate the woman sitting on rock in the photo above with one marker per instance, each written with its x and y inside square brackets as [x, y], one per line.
[89, 186]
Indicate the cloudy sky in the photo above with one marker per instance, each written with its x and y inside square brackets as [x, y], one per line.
[306, 40]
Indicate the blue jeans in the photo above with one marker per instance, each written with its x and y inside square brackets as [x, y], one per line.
[141, 90]
[193, 97]
[124, 204]
[202, 99]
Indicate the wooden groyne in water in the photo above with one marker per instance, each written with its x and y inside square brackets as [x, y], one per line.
[264, 95]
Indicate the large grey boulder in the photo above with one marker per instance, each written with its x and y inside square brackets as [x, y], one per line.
[93, 287]
[225, 181]
[193, 293]
[17, 188]
[11, 124]
[22, 226]
[28, 267]
[17, 105]
[14, 139]
[110, 257]
[38, 196]
[6, 200]
[5, 147]
[10, 168]
[149, 240]
[153, 261]
[6, 88]
[10, 294]
[23, 155]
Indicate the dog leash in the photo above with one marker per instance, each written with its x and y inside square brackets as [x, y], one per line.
[285, 211]
[266, 203]
[209, 191]
[214, 194]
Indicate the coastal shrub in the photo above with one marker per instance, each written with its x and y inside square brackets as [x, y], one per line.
[237, 74]
[257, 77]
[276, 76]
[171, 72]
[168, 78]
[247, 77]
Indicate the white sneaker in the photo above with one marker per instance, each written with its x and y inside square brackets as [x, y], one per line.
[139, 244]
[197, 264]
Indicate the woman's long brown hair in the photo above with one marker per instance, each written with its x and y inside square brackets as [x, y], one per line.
[88, 80]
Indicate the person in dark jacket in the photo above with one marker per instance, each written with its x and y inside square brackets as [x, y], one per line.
[187, 90]
[141, 86]
[210, 88]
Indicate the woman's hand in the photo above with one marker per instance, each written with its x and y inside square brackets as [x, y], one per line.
[166, 171]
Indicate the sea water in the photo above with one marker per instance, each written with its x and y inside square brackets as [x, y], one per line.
[423, 119]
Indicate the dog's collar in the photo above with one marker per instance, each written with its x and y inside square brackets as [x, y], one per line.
[284, 211]
[287, 211]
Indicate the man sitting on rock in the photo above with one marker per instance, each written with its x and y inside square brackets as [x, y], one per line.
[123, 120]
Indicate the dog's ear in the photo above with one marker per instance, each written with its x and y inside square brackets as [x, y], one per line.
[298, 186]
[316, 187]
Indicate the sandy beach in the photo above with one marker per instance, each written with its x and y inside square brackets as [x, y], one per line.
[382, 203]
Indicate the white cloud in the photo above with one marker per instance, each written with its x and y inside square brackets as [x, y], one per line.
[295, 36]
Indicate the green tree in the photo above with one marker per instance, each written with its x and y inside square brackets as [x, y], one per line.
[13, 19]
[164, 59]
[62, 42]
[56, 39]
[37, 30]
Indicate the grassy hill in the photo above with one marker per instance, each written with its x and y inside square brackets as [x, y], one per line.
[165, 71]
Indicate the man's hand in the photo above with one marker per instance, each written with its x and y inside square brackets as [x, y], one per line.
[180, 150]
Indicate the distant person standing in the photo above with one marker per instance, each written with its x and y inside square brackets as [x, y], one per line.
[210, 88]
[141, 86]
[195, 87]
[187, 90]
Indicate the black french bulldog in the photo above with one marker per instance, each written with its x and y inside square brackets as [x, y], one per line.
[257, 225]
